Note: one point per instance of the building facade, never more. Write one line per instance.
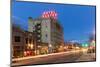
(47, 30)
(23, 42)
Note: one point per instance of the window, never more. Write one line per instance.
(26, 40)
(30, 40)
(39, 31)
(16, 47)
(38, 26)
(46, 29)
(38, 35)
(46, 35)
(38, 40)
(17, 38)
(46, 26)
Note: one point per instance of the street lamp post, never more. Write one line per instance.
(50, 48)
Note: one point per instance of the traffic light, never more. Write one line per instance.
(85, 45)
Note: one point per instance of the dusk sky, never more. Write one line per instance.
(78, 21)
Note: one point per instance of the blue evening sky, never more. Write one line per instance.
(78, 21)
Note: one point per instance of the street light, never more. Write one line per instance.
(50, 48)
(50, 45)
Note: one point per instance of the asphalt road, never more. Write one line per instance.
(87, 57)
(56, 58)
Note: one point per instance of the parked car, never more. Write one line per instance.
(91, 50)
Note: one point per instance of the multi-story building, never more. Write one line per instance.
(48, 31)
(23, 42)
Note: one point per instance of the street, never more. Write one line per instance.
(70, 56)
(87, 57)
